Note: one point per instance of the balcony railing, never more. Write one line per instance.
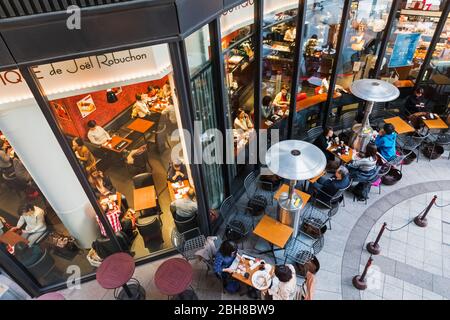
(20, 8)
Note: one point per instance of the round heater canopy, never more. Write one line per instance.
(375, 90)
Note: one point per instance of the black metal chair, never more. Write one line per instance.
(301, 252)
(186, 225)
(43, 267)
(441, 140)
(188, 243)
(239, 223)
(313, 133)
(143, 180)
(411, 143)
(254, 186)
(150, 230)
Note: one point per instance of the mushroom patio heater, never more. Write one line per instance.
(294, 160)
(372, 91)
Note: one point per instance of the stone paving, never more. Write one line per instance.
(414, 264)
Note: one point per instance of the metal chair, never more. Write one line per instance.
(254, 187)
(411, 143)
(332, 212)
(238, 222)
(384, 170)
(442, 140)
(188, 243)
(398, 160)
(313, 133)
(315, 219)
(346, 120)
(300, 252)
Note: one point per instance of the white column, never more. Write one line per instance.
(30, 135)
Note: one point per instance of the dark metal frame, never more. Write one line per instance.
(386, 36)
(433, 43)
(339, 47)
(258, 38)
(301, 16)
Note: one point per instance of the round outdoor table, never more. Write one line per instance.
(51, 296)
(173, 276)
(115, 272)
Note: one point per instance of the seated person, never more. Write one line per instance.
(326, 188)
(363, 169)
(415, 102)
(140, 108)
(267, 107)
(290, 34)
(224, 259)
(183, 209)
(323, 142)
(101, 184)
(284, 283)
(5, 159)
(169, 112)
(21, 172)
(96, 134)
(27, 254)
(3, 225)
(177, 172)
(386, 142)
(166, 90)
(113, 215)
(84, 155)
(243, 122)
(33, 218)
(282, 98)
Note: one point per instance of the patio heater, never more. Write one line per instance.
(294, 160)
(372, 91)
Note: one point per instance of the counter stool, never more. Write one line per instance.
(173, 276)
(51, 296)
(117, 271)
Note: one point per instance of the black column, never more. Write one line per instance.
(386, 36)
(259, 16)
(219, 90)
(340, 45)
(297, 65)
(182, 84)
(434, 41)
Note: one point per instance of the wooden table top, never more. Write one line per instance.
(285, 188)
(273, 231)
(248, 281)
(172, 189)
(141, 125)
(435, 124)
(404, 84)
(344, 157)
(400, 125)
(315, 179)
(115, 140)
(144, 198)
(11, 238)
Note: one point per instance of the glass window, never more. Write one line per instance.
(199, 60)
(361, 44)
(410, 39)
(239, 62)
(279, 34)
(320, 38)
(121, 115)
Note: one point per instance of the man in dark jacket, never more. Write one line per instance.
(415, 102)
(323, 142)
(326, 188)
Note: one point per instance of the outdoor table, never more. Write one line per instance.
(173, 276)
(115, 272)
(246, 264)
(144, 198)
(12, 238)
(285, 189)
(346, 158)
(437, 123)
(115, 141)
(400, 125)
(274, 232)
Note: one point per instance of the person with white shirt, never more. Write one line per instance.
(140, 108)
(169, 112)
(96, 134)
(33, 218)
(243, 122)
(284, 283)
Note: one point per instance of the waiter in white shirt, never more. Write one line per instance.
(96, 134)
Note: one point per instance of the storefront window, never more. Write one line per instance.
(240, 68)
(197, 48)
(438, 73)
(120, 113)
(279, 34)
(36, 219)
(361, 43)
(409, 42)
(320, 38)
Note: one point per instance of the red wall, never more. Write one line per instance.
(105, 112)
